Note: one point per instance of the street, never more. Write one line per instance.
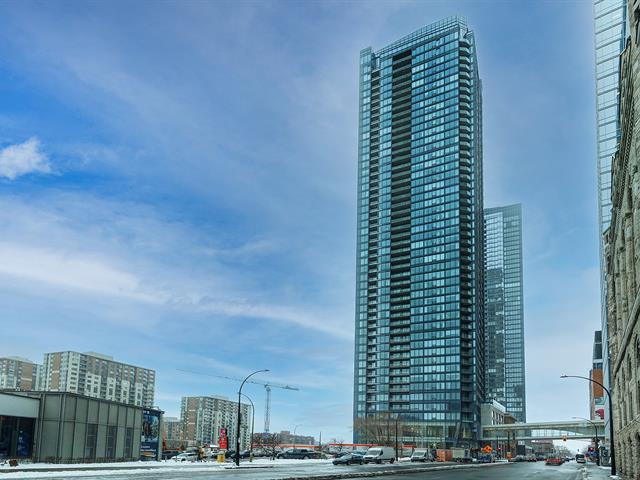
(538, 471)
(520, 471)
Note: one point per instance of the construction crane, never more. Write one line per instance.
(267, 388)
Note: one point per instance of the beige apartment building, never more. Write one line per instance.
(203, 417)
(17, 373)
(99, 376)
(622, 249)
(172, 432)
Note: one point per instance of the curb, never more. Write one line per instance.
(80, 468)
(383, 473)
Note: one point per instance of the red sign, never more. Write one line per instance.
(223, 442)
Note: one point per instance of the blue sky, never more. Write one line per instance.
(178, 182)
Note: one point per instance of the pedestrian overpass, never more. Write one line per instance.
(571, 430)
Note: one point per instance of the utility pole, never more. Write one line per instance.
(253, 417)
(396, 437)
(596, 441)
(240, 413)
(612, 442)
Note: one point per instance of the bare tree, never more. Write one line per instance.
(380, 429)
(268, 442)
(338, 444)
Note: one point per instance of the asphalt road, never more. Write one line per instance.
(520, 471)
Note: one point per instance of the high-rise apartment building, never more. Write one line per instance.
(203, 417)
(17, 373)
(419, 331)
(503, 309)
(99, 376)
(610, 26)
(172, 432)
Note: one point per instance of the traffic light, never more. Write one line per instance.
(564, 439)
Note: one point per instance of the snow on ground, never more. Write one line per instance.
(44, 470)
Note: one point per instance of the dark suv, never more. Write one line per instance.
(300, 453)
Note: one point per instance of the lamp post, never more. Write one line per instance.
(612, 446)
(294, 434)
(239, 413)
(253, 416)
(396, 447)
(595, 428)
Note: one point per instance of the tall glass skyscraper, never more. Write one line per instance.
(610, 26)
(419, 328)
(503, 307)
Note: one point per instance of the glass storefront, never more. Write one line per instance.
(16, 437)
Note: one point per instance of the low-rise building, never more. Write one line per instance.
(542, 447)
(71, 428)
(17, 373)
(494, 413)
(99, 376)
(491, 413)
(287, 438)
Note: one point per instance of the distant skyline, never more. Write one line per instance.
(178, 188)
(505, 314)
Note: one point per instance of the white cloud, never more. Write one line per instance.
(83, 246)
(68, 271)
(23, 158)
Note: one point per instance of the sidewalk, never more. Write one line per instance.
(593, 472)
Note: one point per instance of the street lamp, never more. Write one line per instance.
(595, 427)
(253, 416)
(612, 446)
(294, 435)
(396, 447)
(239, 413)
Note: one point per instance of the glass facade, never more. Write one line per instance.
(419, 251)
(610, 20)
(504, 313)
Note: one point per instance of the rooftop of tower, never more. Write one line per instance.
(427, 31)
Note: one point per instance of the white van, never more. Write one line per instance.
(421, 455)
(380, 455)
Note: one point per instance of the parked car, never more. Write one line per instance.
(486, 458)
(167, 454)
(530, 458)
(186, 457)
(231, 455)
(211, 455)
(380, 455)
(540, 457)
(421, 456)
(580, 458)
(553, 460)
(348, 458)
(518, 458)
(299, 453)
